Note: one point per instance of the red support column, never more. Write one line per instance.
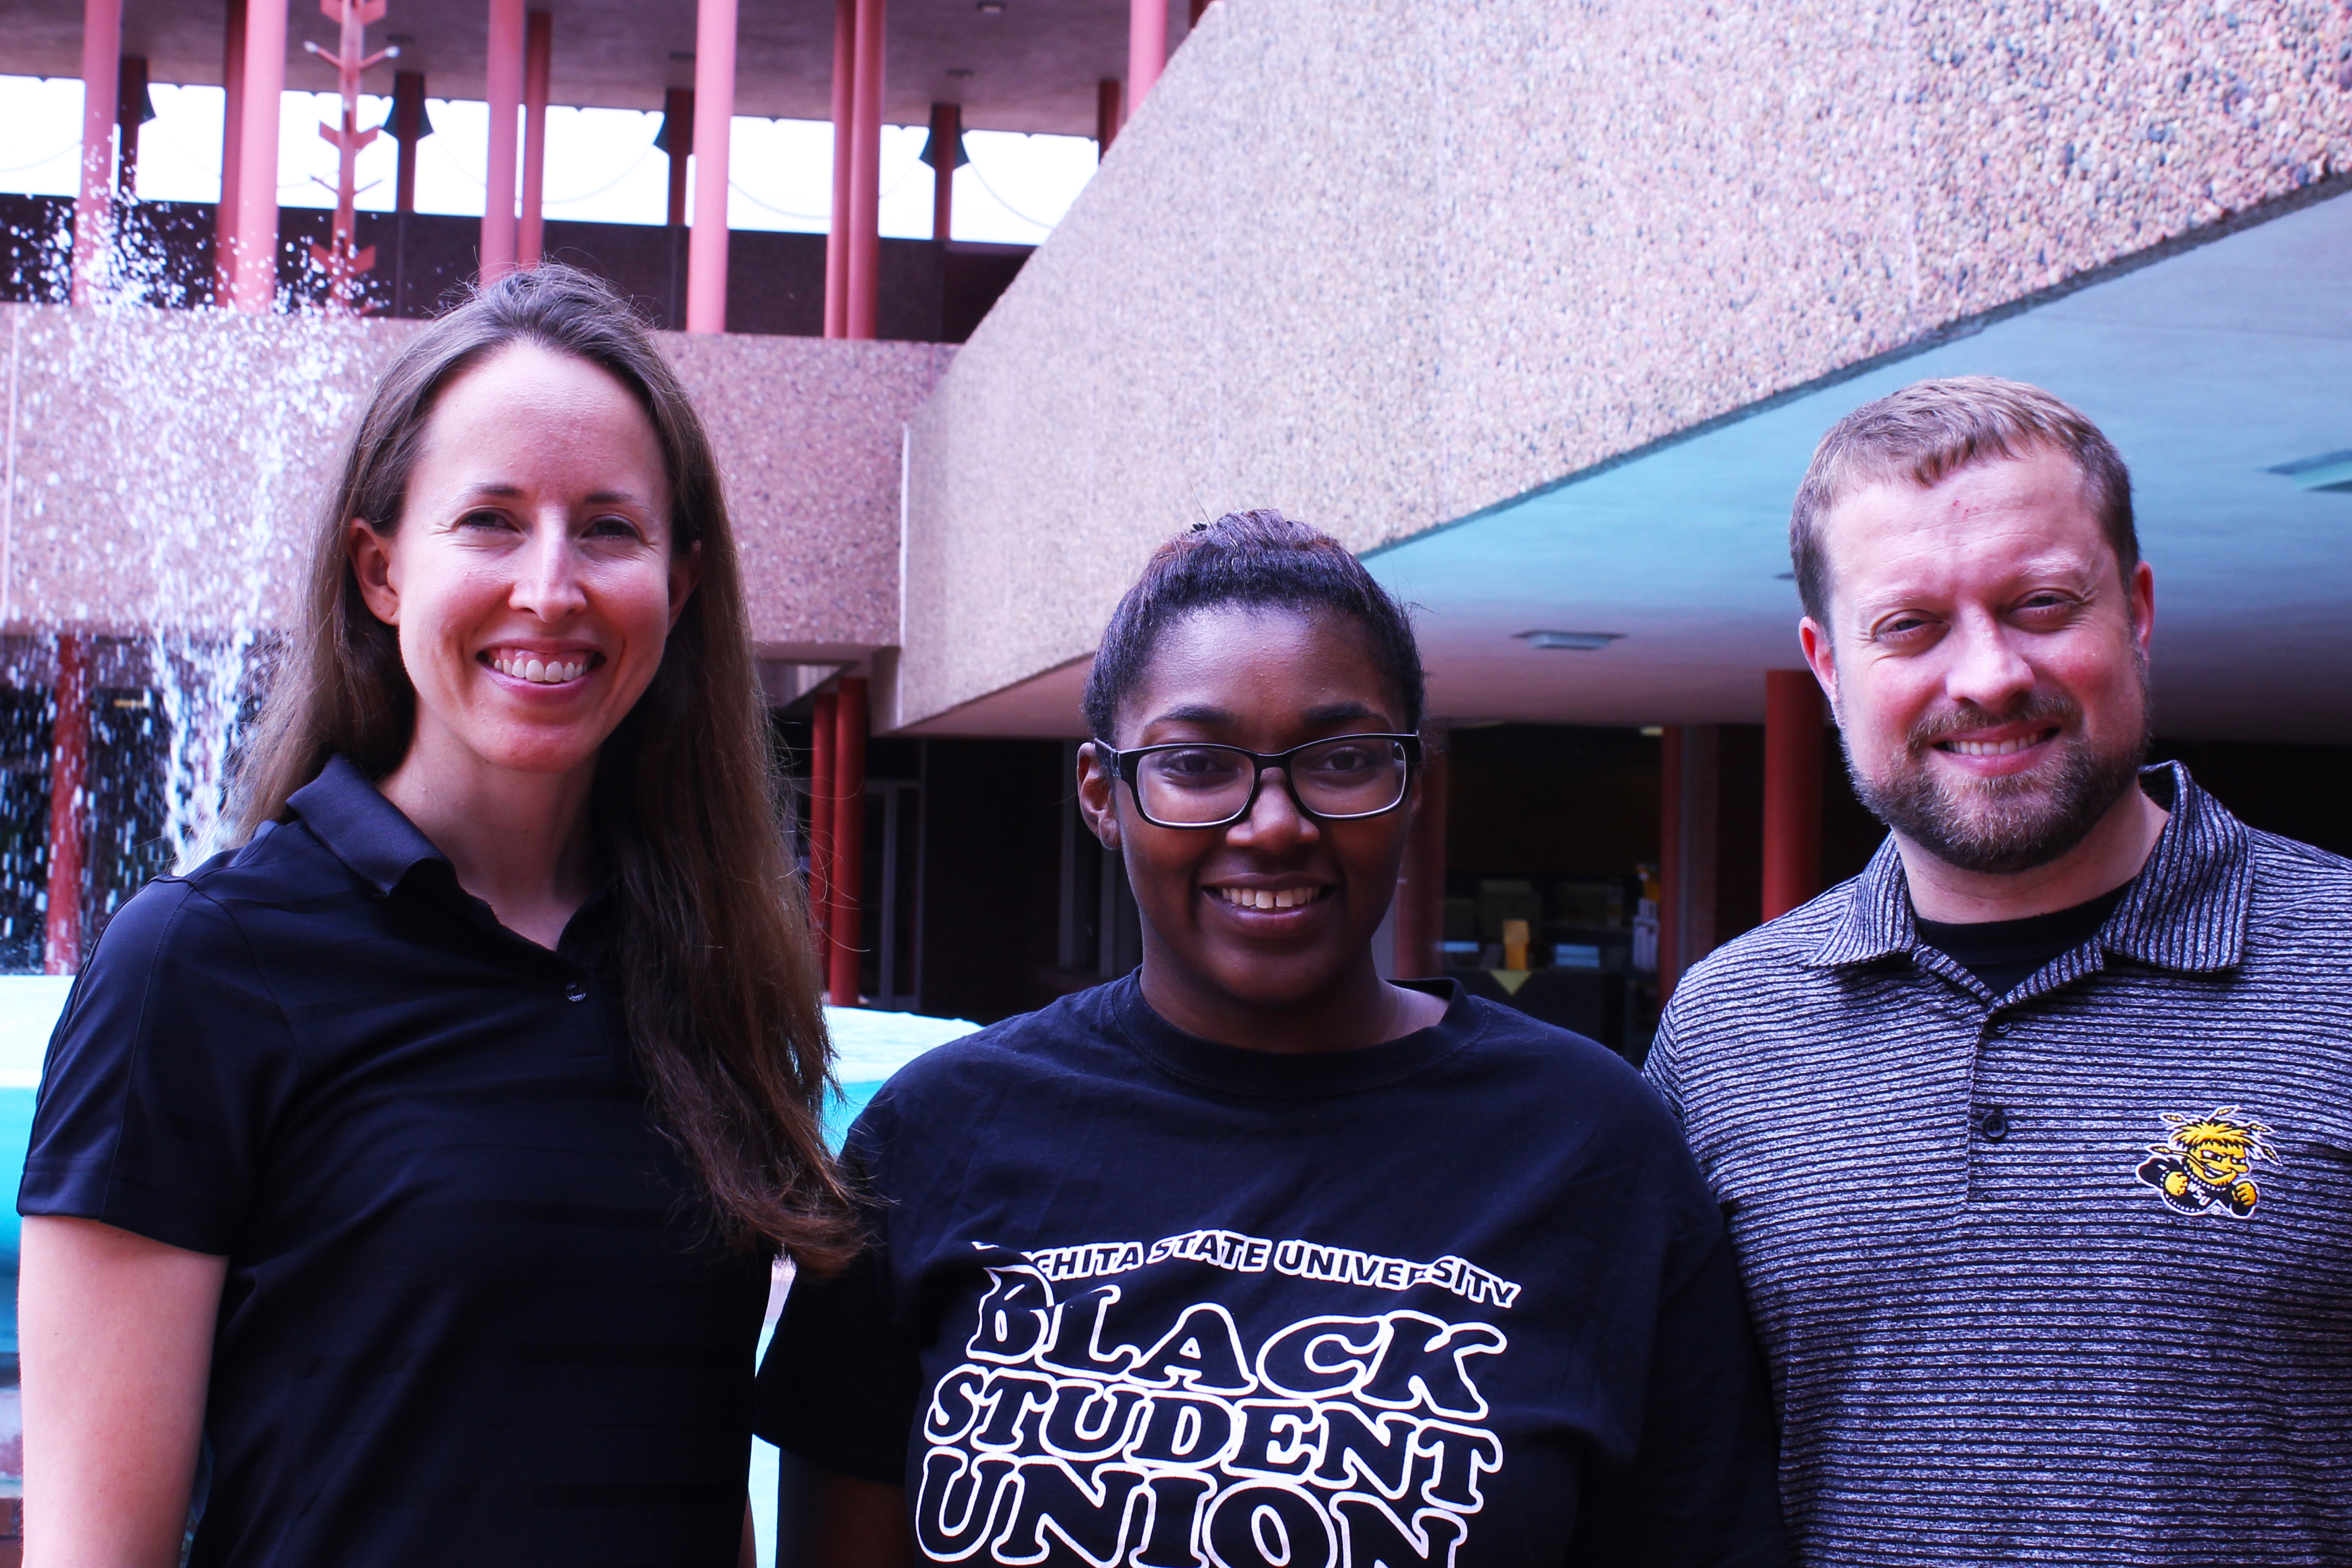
(822, 725)
(254, 278)
(677, 143)
(232, 126)
(1421, 890)
(1689, 804)
(1147, 48)
(946, 146)
(502, 87)
(69, 784)
(865, 280)
(407, 130)
(130, 114)
(845, 132)
(538, 39)
(1670, 859)
(1106, 116)
(714, 114)
(101, 55)
(1793, 789)
(848, 840)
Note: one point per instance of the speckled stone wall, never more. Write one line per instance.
(168, 465)
(1386, 264)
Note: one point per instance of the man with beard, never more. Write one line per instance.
(1955, 1107)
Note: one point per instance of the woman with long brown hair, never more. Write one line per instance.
(405, 1178)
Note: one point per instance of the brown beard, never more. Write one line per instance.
(2003, 825)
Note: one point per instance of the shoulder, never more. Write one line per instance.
(1068, 1037)
(1758, 965)
(1553, 1100)
(172, 920)
(2306, 869)
(187, 932)
(2298, 913)
(1522, 1059)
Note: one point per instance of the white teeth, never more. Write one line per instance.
(544, 672)
(1991, 748)
(1267, 898)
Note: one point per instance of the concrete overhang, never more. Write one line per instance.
(1032, 67)
(1559, 271)
(2210, 369)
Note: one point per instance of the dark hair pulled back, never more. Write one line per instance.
(1255, 560)
(718, 968)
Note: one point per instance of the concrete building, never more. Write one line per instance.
(1540, 307)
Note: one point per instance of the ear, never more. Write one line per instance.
(684, 577)
(1814, 638)
(1097, 796)
(371, 557)
(2143, 605)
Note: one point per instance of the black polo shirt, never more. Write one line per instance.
(473, 1314)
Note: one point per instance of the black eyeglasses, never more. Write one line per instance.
(1189, 784)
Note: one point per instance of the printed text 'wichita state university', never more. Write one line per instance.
(1254, 1255)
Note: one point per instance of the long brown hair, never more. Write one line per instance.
(720, 971)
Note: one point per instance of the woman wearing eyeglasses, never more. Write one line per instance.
(1254, 1257)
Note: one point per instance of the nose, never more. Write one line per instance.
(1275, 823)
(1986, 667)
(547, 577)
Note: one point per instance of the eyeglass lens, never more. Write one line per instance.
(1350, 776)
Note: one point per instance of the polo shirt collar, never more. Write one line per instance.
(359, 828)
(2187, 909)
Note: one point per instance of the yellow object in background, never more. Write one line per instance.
(1515, 944)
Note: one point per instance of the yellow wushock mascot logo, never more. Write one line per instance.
(2208, 1163)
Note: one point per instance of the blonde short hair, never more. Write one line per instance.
(1933, 428)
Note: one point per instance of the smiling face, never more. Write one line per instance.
(533, 577)
(1987, 660)
(1278, 909)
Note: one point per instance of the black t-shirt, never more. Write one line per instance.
(472, 1312)
(2005, 953)
(1138, 1298)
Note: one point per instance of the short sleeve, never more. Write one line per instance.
(1663, 1066)
(161, 1079)
(842, 1379)
(1702, 1487)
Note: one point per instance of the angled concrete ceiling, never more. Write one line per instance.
(2208, 368)
(1033, 67)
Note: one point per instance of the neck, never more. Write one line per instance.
(2110, 854)
(519, 841)
(1357, 1008)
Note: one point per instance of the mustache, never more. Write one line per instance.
(2036, 707)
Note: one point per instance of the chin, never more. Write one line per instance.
(1266, 981)
(561, 753)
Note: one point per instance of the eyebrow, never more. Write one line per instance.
(1192, 713)
(1207, 713)
(1332, 712)
(596, 497)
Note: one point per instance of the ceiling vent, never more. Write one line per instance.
(2328, 472)
(1584, 642)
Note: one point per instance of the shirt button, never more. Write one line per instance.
(1995, 1125)
(1996, 1031)
(575, 992)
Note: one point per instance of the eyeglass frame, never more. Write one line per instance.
(1121, 764)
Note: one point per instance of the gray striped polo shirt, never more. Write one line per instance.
(2063, 1275)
